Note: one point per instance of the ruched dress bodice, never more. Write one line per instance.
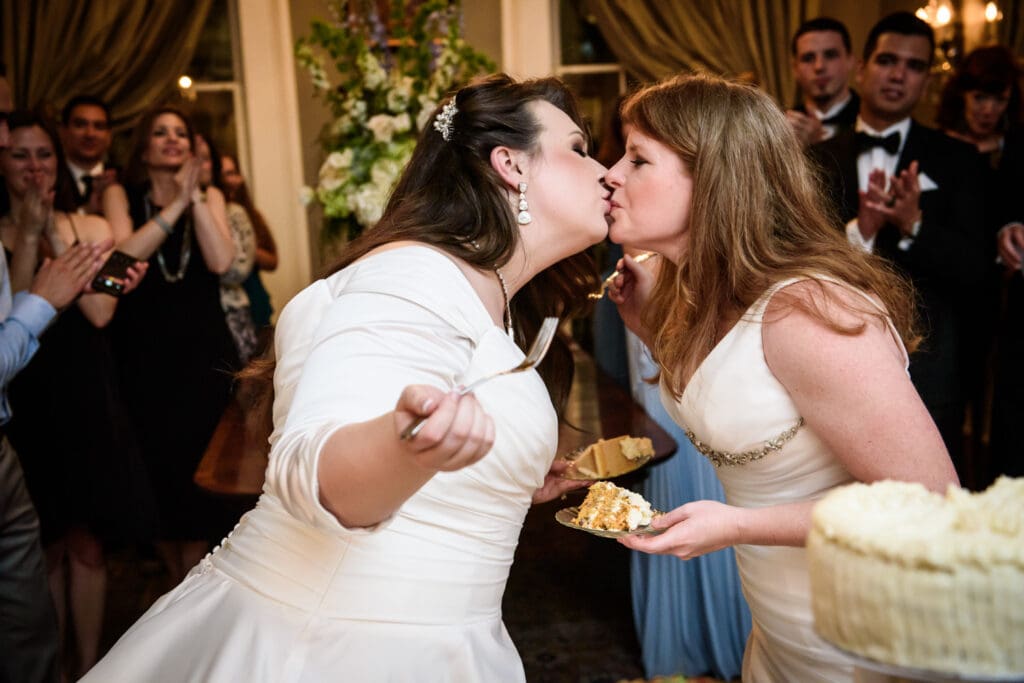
(418, 596)
(744, 420)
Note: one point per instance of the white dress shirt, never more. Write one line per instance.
(869, 160)
(830, 128)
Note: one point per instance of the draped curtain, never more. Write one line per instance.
(126, 52)
(653, 38)
(1011, 28)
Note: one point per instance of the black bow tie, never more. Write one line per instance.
(865, 142)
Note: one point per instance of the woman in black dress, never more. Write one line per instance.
(173, 346)
(70, 425)
(981, 105)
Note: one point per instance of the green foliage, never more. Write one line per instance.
(391, 77)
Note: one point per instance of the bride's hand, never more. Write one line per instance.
(554, 485)
(457, 431)
(691, 530)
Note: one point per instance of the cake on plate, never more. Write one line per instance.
(611, 508)
(612, 457)
(911, 578)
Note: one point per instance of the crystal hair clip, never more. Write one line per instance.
(443, 121)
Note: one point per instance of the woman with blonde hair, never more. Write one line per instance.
(780, 347)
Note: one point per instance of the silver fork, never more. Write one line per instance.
(538, 348)
(611, 278)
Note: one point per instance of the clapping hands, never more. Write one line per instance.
(187, 179)
(899, 203)
(35, 215)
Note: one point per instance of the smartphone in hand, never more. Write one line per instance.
(110, 278)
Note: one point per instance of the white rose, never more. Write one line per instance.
(306, 195)
(368, 204)
(340, 159)
(384, 173)
(403, 122)
(383, 127)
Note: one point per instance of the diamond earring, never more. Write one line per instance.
(524, 216)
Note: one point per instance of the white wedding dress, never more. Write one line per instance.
(733, 406)
(291, 595)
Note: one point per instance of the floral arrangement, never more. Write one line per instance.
(392, 75)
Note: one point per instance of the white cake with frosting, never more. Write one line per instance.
(908, 577)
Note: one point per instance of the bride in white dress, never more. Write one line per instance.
(369, 557)
(780, 346)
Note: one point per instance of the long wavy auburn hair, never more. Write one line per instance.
(757, 217)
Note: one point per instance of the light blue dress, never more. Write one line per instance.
(691, 617)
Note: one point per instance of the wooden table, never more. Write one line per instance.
(236, 457)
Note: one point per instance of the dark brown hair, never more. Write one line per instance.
(65, 194)
(989, 69)
(241, 196)
(450, 197)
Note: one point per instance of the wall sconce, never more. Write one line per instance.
(992, 18)
(938, 13)
(185, 88)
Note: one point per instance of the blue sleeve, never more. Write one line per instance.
(19, 333)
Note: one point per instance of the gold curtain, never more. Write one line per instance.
(126, 52)
(654, 38)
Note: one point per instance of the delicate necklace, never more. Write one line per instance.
(186, 248)
(504, 295)
(508, 308)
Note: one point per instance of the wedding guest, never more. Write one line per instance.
(80, 474)
(780, 346)
(236, 190)
(981, 105)
(173, 346)
(233, 298)
(28, 623)
(914, 196)
(86, 136)
(823, 62)
(370, 555)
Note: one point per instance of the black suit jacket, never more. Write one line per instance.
(946, 261)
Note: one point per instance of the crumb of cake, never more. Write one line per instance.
(611, 508)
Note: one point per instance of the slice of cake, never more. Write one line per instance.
(612, 508)
(908, 577)
(612, 457)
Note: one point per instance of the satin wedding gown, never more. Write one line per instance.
(292, 595)
(732, 408)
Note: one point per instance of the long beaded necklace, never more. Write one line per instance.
(186, 247)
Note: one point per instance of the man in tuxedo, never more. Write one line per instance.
(85, 135)
(912, 195)
(822, 64)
